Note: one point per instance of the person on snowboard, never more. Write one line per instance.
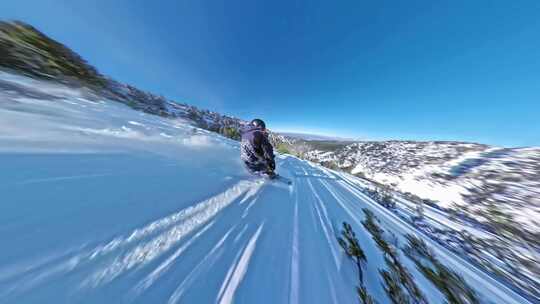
(256, 151)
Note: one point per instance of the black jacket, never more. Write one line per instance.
(255, 148)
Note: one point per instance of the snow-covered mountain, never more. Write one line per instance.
(314, 137)
(105, 204)
(481, 179)
(497, 189)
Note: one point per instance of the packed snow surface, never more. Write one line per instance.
(104, 204)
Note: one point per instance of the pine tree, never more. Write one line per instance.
(452, 285)
(364, 295)
(351, 246)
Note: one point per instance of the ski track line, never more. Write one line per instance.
(251, 193)
(147, 252)
(239, 235)
(161, 224)
(457, 262)
(295, 258)
(341, 202)
(240, 269)
(332, 287)
(204, 265)
(228, 275)
(61, 178)
(324, 224)
(35, 274)
(20, 269)
(163, 267)
(246, 211)
(28, 282)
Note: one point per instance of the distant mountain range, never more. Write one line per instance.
(315, 137)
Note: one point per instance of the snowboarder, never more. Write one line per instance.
(256, 151)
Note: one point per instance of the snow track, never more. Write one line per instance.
(90, 217)
(235, 276)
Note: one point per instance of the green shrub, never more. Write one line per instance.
(283, 149)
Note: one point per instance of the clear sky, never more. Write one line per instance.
(441, 70)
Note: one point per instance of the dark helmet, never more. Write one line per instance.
(258, 123)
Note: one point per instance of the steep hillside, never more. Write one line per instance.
(494, 189)
(485, 180)
(26, 50)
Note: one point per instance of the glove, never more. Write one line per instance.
(272, 164)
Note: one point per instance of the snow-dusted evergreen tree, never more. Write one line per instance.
(351, 246)
(353, 250)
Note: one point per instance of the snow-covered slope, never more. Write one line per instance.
(104, 204)
(495, 189)
(477, 178)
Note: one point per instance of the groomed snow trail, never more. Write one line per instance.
(103, 204)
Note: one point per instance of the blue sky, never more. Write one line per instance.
(441, 70)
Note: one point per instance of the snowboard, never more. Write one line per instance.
(272, 176)
(279, 178)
